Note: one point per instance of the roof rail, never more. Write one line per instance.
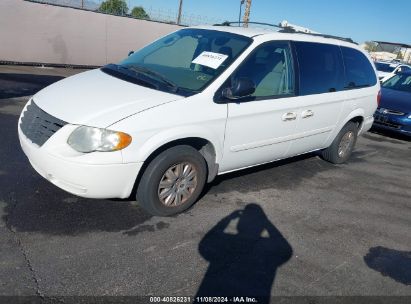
(293, 31)
(229, 23)
(288, 30)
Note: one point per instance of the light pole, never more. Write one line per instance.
(180, 8)
(246, 18)
(239, 16)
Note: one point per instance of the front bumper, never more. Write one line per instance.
(396, 123)
(79, 175)
(366, 125)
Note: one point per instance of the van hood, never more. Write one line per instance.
(96, 99)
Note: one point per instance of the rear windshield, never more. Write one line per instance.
(384, 67)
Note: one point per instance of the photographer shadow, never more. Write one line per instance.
(243, 263)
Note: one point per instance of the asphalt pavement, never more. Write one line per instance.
(300, 227)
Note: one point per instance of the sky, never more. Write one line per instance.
(361, 20)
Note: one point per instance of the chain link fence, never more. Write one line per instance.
(125, 9)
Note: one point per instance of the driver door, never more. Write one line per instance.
(260, 128)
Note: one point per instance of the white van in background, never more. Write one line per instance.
(197, 103)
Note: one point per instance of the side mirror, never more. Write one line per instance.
(241, 87)
(130, 53)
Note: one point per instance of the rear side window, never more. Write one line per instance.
(358, 69)
(321, 68)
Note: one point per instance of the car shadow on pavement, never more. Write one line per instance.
(29, 203)
(283, 174)
(245, 251)
(396, 137)
(389, 262)
(17, 85)
(71, 216)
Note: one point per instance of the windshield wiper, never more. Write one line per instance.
(157, 75)
(123, 73)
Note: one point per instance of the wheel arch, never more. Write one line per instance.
(206, 147)
(359, 120)
(357, 116)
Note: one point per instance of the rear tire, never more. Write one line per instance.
(173, 181)
(343, 145)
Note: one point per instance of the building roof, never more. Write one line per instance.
(397, 44)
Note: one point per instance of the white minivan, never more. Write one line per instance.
(200, 102)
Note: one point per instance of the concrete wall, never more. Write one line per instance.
(32, 32)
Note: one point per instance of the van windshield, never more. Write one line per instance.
(186, 61)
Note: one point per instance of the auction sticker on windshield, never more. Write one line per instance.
(210, 59)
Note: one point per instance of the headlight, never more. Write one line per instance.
(409, 117)
(88, 139)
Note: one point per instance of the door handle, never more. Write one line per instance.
(307, 114)
(289, 116)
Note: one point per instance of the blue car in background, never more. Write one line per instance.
(394, 110)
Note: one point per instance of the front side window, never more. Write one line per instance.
(183, 62)
(270, 68)
(321, 68)
(358, 69)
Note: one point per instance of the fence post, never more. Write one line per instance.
(180, 8)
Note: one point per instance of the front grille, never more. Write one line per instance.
(388, 124)
(384, 121)
(39, 126)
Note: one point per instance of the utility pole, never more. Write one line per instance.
(246, 18)
(180, 9)
(239, 16)
(82, 3)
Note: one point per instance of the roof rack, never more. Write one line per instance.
(229, 23)
(288, 30)
(293, 31)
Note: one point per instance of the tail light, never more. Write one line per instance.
(379, 98)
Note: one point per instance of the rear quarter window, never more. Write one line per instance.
(321, 68)
(358, 69)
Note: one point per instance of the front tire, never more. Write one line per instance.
(173, 181)
(343, 145)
